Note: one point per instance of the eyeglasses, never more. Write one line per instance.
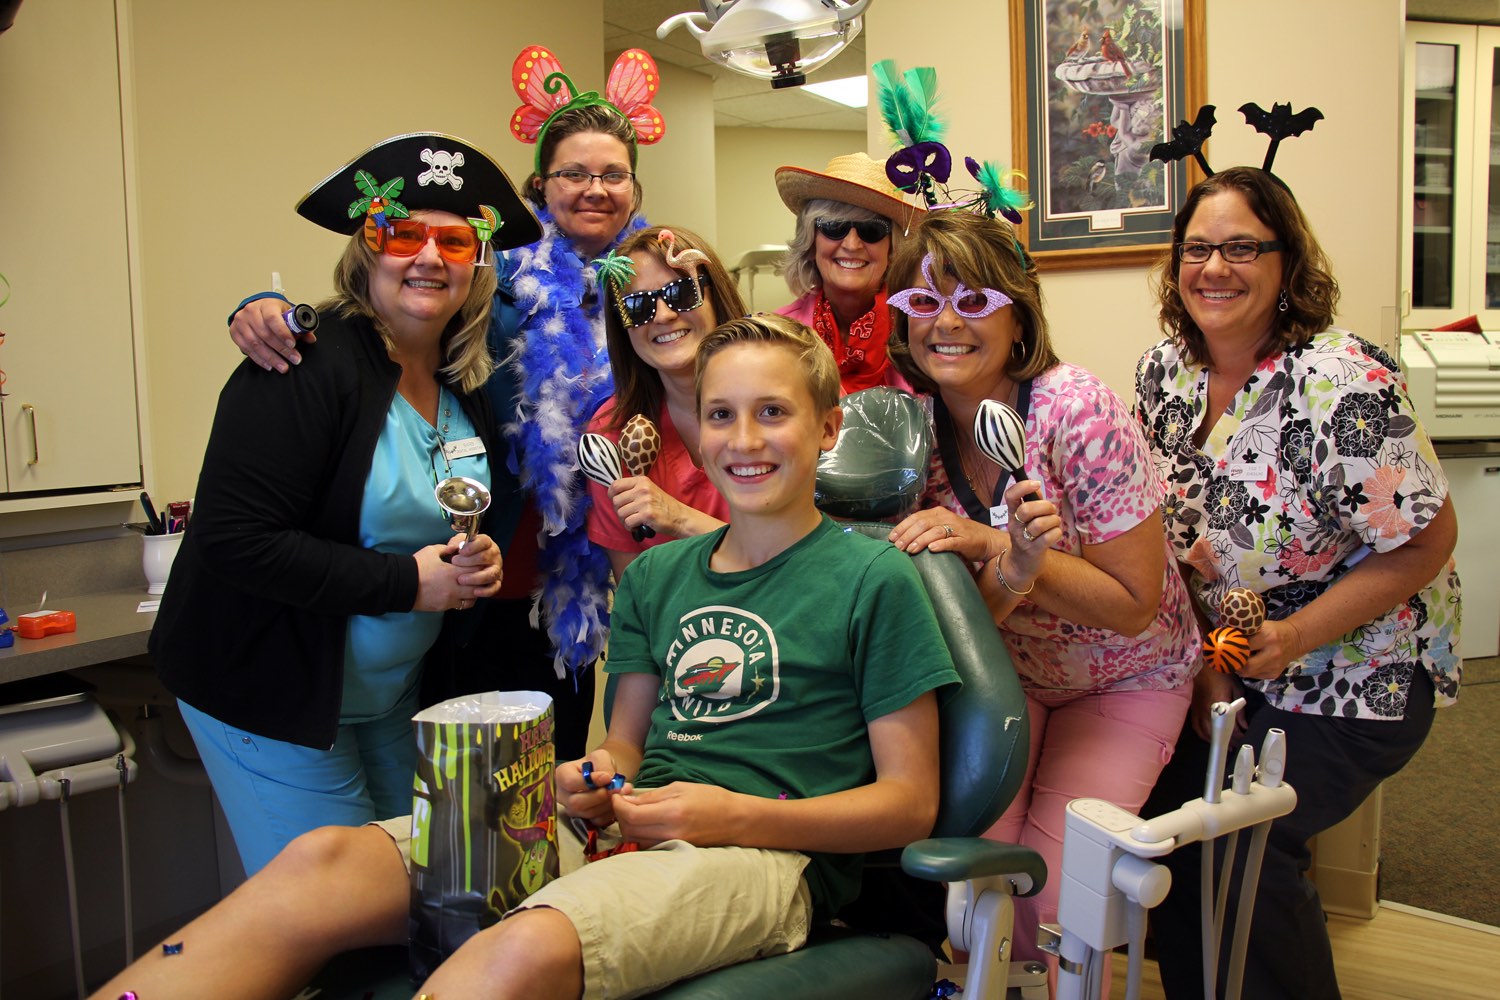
(407, 237)
(613, 180)
(869, 230)
(1233, 252)
(639, 308)
(970, 303)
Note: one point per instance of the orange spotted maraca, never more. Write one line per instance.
(1226, 649)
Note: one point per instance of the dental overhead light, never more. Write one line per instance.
(777, 40)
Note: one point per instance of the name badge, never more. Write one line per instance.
(463, 448)
(1249, 472)
(999, 516)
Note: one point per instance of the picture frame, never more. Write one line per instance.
(1094, 85)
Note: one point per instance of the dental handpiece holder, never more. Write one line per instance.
(56, 742)
(60, 745)
(1109, 879)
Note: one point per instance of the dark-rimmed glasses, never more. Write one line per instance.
(580, 179)
(407, 237)
(1233, 251)
(639, 308)
(869, 230)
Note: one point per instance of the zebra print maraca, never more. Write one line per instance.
(599, 457)
(1001, 435)
(601, 460)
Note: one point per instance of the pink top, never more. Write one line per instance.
(674, 472)
(1087, 451)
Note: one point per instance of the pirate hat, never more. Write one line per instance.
(421, 170)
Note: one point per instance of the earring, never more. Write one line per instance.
(1281, 302)
(1018, 351)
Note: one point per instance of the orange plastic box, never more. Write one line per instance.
(40, 623)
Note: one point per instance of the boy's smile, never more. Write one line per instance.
(761, 431)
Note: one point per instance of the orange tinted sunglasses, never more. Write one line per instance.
(407, 237)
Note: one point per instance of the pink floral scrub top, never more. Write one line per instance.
(1316, 462)
(1086, 450)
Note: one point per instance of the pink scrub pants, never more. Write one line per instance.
(1107, 746)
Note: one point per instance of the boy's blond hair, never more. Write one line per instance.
(819, 371)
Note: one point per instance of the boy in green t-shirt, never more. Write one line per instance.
(775, 703)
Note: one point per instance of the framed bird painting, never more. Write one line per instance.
(1097, 83)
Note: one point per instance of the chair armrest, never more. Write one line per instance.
(958, 859)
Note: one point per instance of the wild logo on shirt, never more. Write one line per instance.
(721, 666)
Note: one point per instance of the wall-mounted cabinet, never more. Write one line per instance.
(1451, 175)
(70, 414)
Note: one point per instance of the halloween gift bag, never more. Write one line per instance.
(484, 836)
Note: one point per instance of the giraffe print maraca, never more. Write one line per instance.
(640, 443)
(1227, 648)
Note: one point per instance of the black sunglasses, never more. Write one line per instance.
(639, 308)
(869, 230)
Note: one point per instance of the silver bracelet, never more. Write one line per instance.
(999, 576)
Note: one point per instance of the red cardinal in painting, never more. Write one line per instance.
(1080, 48)
(1113, 53)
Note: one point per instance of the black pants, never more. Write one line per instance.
(504, 653)
(1334, 764)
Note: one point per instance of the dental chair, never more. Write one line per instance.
(878, 470)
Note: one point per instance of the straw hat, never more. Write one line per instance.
(854, 179)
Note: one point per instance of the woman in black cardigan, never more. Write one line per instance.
(318, 568)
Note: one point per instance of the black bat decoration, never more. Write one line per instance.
(1279, 123)
(1188, 140)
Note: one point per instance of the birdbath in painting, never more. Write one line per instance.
(1132, 104)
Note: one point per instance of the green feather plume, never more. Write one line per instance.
(908, 103)
(998, 198)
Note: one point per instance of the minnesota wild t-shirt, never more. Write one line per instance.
(770, 676)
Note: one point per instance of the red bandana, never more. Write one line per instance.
(861, 354)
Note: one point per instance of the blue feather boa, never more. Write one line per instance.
(561, 364)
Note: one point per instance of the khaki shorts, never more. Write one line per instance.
(649, 918)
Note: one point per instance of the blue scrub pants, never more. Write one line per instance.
(272, 791)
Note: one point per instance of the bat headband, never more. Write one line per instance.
(1278, 123)
(546, 92)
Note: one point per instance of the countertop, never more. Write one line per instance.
(109, 628)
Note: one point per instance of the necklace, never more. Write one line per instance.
(446, 402)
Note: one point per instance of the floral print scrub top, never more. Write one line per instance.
(1317, 461)
(1086, 450)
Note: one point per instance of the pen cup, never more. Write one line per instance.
(157, 558)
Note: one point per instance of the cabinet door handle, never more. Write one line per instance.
(36, 455)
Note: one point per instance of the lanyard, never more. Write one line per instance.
(948, 447)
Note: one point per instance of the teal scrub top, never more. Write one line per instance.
(400, 514)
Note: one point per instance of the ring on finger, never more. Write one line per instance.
(947, 531)
(1026, 534)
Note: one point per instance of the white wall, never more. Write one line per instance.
(678, 172)
(1343, 56)
(236, 117)
(240, 110)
